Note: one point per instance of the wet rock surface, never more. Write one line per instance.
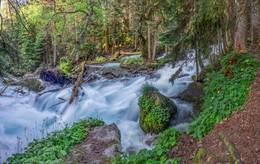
(102, 143)
(54, 76)
(193, 93)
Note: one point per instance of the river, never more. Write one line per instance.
(27, 117)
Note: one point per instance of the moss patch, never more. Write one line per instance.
(156, 110)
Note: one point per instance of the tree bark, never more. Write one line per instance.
(149, 43)
(154, 44)
(255, 24)
(106, 41)
(54, 39)
(196, 61)
(241, 26)
(166, 50)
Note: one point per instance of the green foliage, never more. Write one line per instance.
(156, 110)
(148, 88)
(137, 60)
(166, 141)
(161, 62)
(39, 51)
(100, 59)
(225, 91)
(54, 148)
(66, 65)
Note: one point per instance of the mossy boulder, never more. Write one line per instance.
(156, 111)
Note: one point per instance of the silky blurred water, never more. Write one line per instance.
(22, 117)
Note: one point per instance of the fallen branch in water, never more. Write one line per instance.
(3, 90)
(58, 104)
(75, 89)
(175, 97)
(53, 90)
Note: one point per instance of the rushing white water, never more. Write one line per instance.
(115, 101)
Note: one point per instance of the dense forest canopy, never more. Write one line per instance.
(53, 32)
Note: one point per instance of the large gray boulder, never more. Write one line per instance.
(102, 143)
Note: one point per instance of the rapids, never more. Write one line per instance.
(23, 117)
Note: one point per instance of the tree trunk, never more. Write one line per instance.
(154, 44)
(255, 24)
(196, 61)
(166, 50)
(54, 51)
(219, 43)
(241, 26)
(83, 35)
(106, 41)
(230, 20)
(149, 44)
(101, 44)
(200, 61)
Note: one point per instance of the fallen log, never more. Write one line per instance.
(120, 54)
(57, 104)
(53, 90)
(175, 75)
(175, 97)
(75, 89)
(3, 90)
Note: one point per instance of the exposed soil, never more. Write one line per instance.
(241, 129)
(186, 145)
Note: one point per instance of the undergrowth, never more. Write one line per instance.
(225, 91)
(160, 62)
(166, 141)
(133, 60)
(66, 66)
(54, 148)
(100, 59)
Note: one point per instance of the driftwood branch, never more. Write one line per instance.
(57, 104)
(3, 90)
(75, 89)
(53, 90)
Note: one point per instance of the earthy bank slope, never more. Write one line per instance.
(241, 131)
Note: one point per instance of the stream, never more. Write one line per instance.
(23, 117)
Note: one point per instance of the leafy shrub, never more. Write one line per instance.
(66, 65)
(54, 148)
(100, 59)
(164, 60)
(225, 91)
(166, 141)
(133, 60)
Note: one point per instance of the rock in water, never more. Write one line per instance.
(156, 111)
(193, 93)
(102, 143)
(54, 76)
(32, 84)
